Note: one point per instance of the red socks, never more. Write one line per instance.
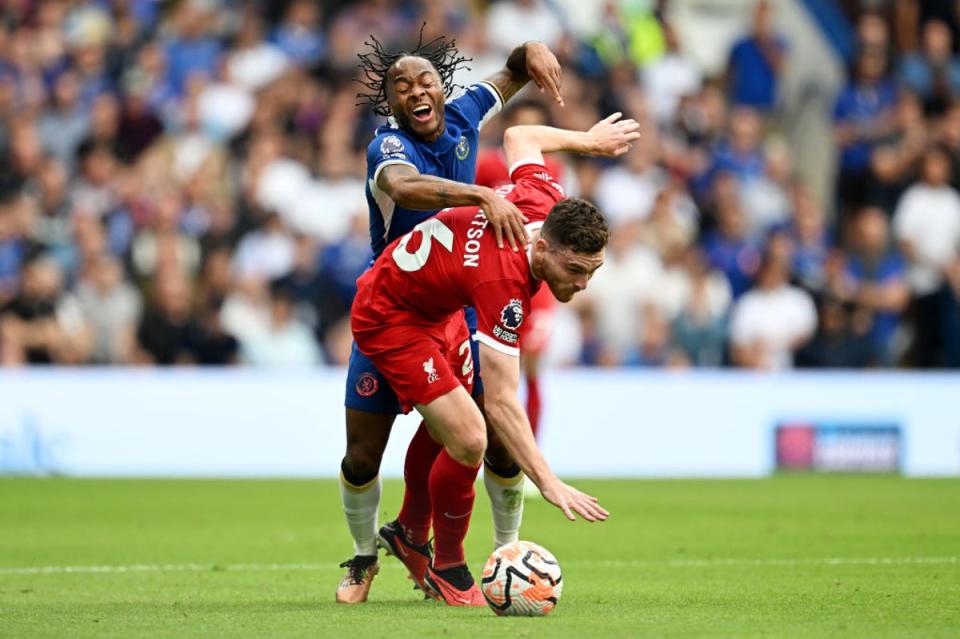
(414, 516)
(533, 404)
(451, 494)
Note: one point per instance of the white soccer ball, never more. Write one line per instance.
(521, 579)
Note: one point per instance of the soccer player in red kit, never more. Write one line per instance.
(406, 318)
(494, 172)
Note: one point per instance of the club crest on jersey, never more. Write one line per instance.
(391, 145)
(431, 371)
(512, 315)
(463, 149)
(367, 385)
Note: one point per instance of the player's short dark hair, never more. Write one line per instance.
(375, 63)
(576, 224)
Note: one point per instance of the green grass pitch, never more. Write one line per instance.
(793, 556)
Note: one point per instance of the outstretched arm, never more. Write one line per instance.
(501, 374)
(411, 189)
(607, 138)
(530, 61)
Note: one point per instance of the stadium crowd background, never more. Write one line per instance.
(182, 182)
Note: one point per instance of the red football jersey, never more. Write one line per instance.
(492, 170)
(452, 260)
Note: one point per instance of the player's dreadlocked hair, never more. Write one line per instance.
(440, 52)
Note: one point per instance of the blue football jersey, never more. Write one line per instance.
(452, 156)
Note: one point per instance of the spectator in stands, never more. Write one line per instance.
(741, 155)
(669, 78)
(286, 341)
(728, 249)
(39, 325)
(299, 35)
(627, 191)
(766, 198)
(756, 63)
(927, 226)
(210, 342)
(700, 327)
(894, 159)
(193, 51)
(510, 24)
(772, 320)
(808, 237)
(165, 332)
(64, 123)
(622, 288)
(842, 339)
(934, 72)
(878, 274)
(864, 114)
(111, 311)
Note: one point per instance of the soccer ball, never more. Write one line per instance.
(521, 579)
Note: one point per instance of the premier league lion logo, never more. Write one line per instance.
(512, 315)
(391, 145)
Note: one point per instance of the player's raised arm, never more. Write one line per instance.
(530, 61)
(501, 373)
(411, 189)
(609, 137)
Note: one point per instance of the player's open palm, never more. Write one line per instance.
(507, 222)
(612, 136)
(573, 502)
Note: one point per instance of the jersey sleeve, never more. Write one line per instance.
(479, 103)
(386, 149)
(535, 190)
(502, 306)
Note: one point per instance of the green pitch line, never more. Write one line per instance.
(800, 556)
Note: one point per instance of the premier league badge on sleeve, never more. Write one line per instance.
(391, 145)
(512, 315)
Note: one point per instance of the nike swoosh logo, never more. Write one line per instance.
(449, 516)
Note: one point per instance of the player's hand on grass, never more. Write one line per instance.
(544, 69)
(507, 221)
(611, 136)
(570, 501)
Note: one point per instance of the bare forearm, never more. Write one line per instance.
(509, 420)
(545, 139)
(428, 193)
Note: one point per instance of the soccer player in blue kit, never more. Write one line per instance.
(421, 161)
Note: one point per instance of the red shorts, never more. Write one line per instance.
(421, 361)
(540, 322)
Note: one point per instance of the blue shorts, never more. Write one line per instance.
(368, 390)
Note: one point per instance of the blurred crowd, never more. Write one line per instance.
(183, 183)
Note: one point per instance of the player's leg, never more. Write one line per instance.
(457, 423)
(502, 478)
(371, 409)
(407, 537)
(504, 483)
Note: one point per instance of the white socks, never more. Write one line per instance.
(506, 502)
(360, 505)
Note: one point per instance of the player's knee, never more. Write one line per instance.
(468, 448)
(362, 461)
(497, 454)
